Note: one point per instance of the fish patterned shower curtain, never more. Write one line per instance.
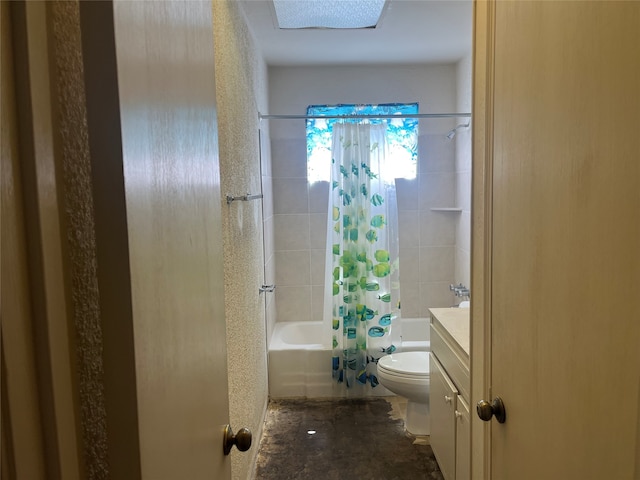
(362, 259)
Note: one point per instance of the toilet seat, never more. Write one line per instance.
(406, 364)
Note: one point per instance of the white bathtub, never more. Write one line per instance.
(300, 366)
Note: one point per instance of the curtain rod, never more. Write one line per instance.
(408, 115)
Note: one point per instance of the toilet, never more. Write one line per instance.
(407, 374)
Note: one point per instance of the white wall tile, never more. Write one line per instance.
(437, 190)
(319, 197)
(270, 271)
(318, 264)
(317, 302)
(293, 267)
(463, 190)
(268, 238)
(463, 150)
(267, 197)
(289, 158)
(435, 295)
(409, 280)
(272, 316)
(318, 230)
(410, 299)
(291, 232)
(437, 228)
(436, 153)
(407, 193)
(293, 303)
(290, 195)
(436, 264)
(265, 149)
(409, 266)
(266, 169)
(463, 166)
(463, 232)
(409, 228)
(463, 268)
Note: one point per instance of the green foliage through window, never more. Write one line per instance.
(401, 136)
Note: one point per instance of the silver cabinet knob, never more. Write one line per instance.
(242, 439)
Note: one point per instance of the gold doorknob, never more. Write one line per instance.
(487, 410)
(242, 439)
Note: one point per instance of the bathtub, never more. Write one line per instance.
(299, 366)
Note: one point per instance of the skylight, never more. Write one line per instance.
(328, 13)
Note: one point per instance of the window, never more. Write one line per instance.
(402, 136)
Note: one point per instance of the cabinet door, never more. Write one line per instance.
(443, 422)
(463, 440)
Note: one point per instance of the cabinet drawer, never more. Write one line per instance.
(447, 354)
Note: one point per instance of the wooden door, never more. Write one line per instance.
(152, 118)
(39, 419)
(565, 235)
(166, 85)
(22, 442)
(144, 71)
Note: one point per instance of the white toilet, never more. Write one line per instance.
(407, 374)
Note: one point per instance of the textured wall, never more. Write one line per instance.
(241, 87)
(78, 206)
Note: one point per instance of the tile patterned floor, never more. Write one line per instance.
(355, 439)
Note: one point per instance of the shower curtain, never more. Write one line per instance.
(362, 259)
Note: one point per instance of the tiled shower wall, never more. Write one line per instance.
(427, 237)
(463, 177)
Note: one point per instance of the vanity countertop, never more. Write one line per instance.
(456, 322)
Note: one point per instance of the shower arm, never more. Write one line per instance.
(452, 132)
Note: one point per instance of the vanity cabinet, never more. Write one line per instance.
(450, 391)
(463, 439)
(443, 422)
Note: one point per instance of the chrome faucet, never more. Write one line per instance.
(460, 290)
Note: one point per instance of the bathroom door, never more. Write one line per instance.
(166, 87)
(564, 260)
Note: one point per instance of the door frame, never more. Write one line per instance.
(481, 229)
(40, 418)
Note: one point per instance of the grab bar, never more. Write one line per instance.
(267, 288)
(244, 198)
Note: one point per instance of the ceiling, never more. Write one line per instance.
(410, 32)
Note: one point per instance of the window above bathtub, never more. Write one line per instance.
(402, 136)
